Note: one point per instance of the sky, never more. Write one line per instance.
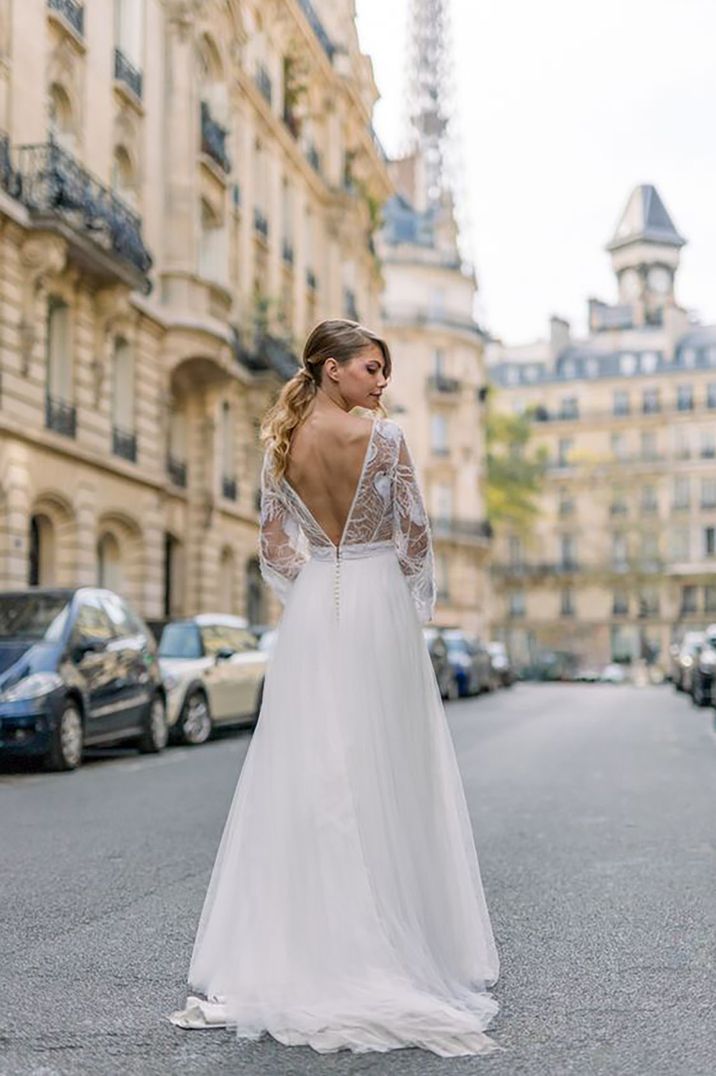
(561, 108)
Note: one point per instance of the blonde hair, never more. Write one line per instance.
(336, 339)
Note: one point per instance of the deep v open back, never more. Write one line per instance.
(315, 513)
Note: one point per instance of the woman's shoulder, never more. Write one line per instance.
(388, 429)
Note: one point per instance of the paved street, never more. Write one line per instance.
(594, 811)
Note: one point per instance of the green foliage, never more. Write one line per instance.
(514, 474)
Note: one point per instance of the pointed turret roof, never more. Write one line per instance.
(645, 219)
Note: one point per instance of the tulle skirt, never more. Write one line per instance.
(345, 908)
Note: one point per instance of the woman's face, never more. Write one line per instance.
(361, 381)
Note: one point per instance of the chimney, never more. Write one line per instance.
(559, 335)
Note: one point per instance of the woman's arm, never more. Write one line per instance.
(411, 534)
(282, 544)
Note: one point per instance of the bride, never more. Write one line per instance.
(345, 908)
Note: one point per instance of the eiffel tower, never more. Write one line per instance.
(427, 92)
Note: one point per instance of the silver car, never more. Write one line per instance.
(213, 674)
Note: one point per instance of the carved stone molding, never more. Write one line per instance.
(42, 257)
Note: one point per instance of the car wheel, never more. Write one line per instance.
(195, 722)
(67, 740)
(155, 735)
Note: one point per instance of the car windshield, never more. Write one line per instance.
(32, 616)
(456, 645)
(180, 641)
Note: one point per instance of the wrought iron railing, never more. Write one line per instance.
(124, 444)
(177, 471)
(440, 383)
(126, 72)
(213, 139)
(228, 488)
(53, 182)
(318, 28)
(72, 11)
(60, 416)
(263, 82)
(261, 223)
(452, 527)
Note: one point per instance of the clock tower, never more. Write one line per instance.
(645, 254)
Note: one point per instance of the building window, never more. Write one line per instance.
(651, 401)
(514, 545)
(565, 503)
(710, 598)
(648, 602)
(620, 603)
(567, 550)
(628, 364)
(566, 602)
(680, 544)
(619, 506)
(41, 556)
(436, 304)
(62, 128)
(439, 434)
(618, 446)
(648, 445)
(287, 222)
(709, 541)
(569, 407)
(689, 600)
(442, 506)
(516, 603)
(620, 405)
(682, 491)
(708, 492)
(213, 245)
(442, 576)
(564, 450)
(109, 563)
(438, 362)
(124, 441)
(649, 500)
(228, 462)
(619, 551)
(684, 398)
(682, 445)
(711, 395)
(708, 445)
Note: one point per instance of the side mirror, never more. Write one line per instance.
(224, 653)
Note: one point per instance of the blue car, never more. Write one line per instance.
(78, 667)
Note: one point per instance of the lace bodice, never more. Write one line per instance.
(387, 507)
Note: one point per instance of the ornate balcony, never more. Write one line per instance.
(72, 12)
(447, 385)
(461, 530)
(229, 488)
(104, 234)
(60, 416)
(213, 139)
(177, 471)
(126, 73)
(124, 444)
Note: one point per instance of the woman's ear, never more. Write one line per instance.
(331, 368)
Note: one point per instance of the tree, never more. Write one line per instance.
(514, 474)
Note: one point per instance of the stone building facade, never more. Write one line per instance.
(622, 555)
(438, 395)
(184, 190)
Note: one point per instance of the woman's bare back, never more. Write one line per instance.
(325, 462)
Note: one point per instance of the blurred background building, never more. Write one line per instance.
(438, 349)
(623, 547)
(185, 189)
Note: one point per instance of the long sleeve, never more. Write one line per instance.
(283, 549)
(411, 534)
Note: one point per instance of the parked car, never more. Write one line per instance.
(704, 668)
(470, 661)
(213, 672)
(683, 665)
(613, 674)
(78, 667)
(444, 673)
(502, 670)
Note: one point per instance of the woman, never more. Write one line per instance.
(345, 909)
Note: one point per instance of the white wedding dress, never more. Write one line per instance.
(345, 908)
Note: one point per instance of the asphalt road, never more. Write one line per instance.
(594, 812)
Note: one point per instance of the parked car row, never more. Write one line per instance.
(464, 665)
(79, 668)
(692, 666)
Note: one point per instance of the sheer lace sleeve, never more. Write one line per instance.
(283, 549)
(411, 534)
